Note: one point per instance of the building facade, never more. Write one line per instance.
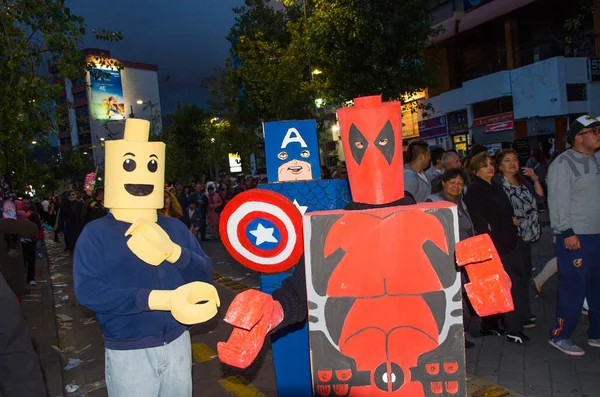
(510, 74)
(102, 99)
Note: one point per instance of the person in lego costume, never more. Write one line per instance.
(293, 170)
(372, 271)
(143, 275)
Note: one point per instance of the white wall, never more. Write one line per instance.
(539, 89)
(453, 100)
(488, 87)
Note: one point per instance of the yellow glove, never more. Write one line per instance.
(151, 243)
(183, 302)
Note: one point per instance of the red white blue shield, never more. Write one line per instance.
(262, 230)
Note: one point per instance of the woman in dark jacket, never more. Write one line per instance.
(492, 213)
(450, 188)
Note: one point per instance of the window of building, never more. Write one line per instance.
(79, 95)
(65, 141)
(82, 112)
(85, 139)
(494, 106)
(576, 92)
(83, 125)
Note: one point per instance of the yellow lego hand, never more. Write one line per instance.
(183, 302)
(151, 243)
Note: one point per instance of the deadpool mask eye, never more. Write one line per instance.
(360, 144)
(386, 143)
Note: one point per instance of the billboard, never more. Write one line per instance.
(433, 127)
(235, 162)
(107, 94)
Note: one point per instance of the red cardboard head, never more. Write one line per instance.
(371, 133)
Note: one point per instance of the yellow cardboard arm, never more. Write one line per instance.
(183, 302)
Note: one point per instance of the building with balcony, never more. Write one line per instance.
(102, 100)
(510, 74)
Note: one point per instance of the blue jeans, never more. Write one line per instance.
(163, 371)
(579, 272)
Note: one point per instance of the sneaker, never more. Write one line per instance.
(529, 324)
(32, 282)
(490, 331)
(518, 338)
(594, 342)
(567, 346)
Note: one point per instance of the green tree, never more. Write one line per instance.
(283, 61)
(198, 144)
(367, 47)
(36, 34)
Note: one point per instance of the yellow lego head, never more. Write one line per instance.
(134, 169)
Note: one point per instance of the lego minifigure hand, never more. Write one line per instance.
(151, 243)
(253, 314)
(183, 302)
(489, 287)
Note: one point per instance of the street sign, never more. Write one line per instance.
(497, 118)
(507, 125)
(433, 127)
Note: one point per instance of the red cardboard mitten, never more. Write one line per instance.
(253, 314)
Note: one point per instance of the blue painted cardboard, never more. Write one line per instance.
(293, 376)
(292, 151)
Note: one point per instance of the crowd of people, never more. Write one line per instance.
(498, 196)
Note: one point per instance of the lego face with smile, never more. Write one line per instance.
(292, 151)
(134, 171)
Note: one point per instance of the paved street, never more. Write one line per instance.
(534, 370)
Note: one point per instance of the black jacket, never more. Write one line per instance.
(491, 212)
(292, 293)
(20, 372)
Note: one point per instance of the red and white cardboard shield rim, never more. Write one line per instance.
(257, 203)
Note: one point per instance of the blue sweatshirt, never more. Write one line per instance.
(114, 283)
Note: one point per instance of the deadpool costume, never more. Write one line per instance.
(383, 293)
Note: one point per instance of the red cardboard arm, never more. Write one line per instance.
(253, 314)
(489, 286)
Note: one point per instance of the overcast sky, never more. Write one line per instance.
(185, 38)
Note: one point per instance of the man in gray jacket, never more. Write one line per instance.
(573, 191)
(415, 180)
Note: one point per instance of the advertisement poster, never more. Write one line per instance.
(458, 122)
(235, 163)
(433, 127)
(107, 95)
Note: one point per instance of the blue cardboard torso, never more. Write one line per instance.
(291, 351)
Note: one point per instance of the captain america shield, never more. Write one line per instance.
(262, 230)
